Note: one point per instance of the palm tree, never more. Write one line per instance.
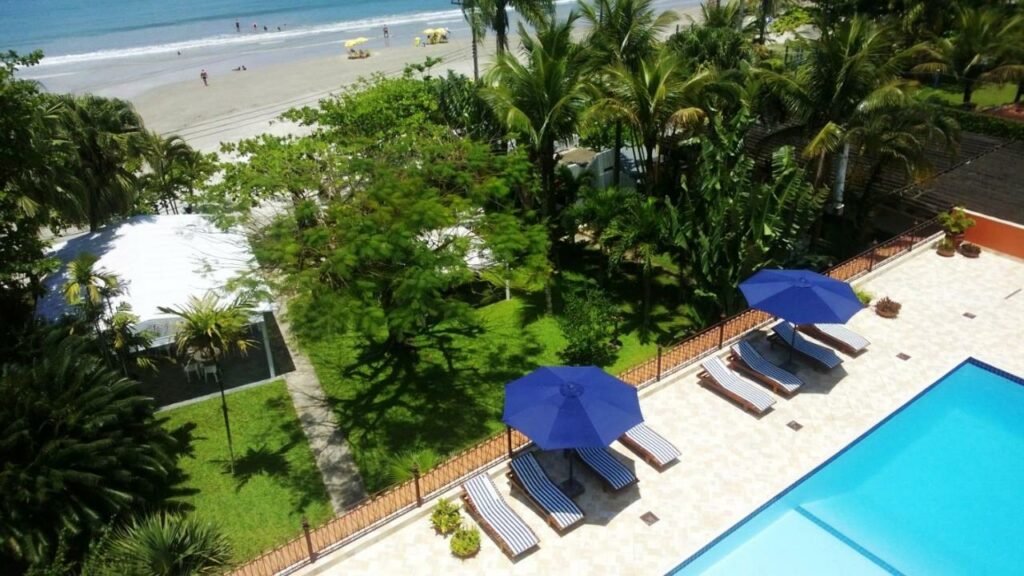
(483, 14)
(766, 9)
(209, 329)
(105, 143)
(168, 160)
(638, 233)
(90, 289)
(847, 74)
(162, 545)
(896, 135)
(79, 445)
(728, 15)
(985, 45)
(658, 98)
(542, 96)
(623, 32)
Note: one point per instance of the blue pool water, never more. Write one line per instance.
(937, 488)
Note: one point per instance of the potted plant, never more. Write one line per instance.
(445, 518)
(955, 223)
(970, 250)
(465, 542)
(887, 308)
(947, 247)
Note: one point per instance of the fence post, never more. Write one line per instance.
(721, 331)
(416, 481)
(508, 434)
(871, 257)
(309, 540)
(658, 377)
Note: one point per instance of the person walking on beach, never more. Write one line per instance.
(203, 76)
(387, 36)
(238, 27)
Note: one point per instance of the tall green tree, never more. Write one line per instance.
(102, 158)
(79, 446)
(659, 98)
(173, 170)
(161, 544)
(208, 329)
(845, 76)
(541, 96)
(622, 33)
(727, 224)
(984, 45)
(637, 233)
(493, 14)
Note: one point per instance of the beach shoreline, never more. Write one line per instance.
(245, 104)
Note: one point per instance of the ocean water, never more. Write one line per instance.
(79, 31)
(125, 47)
(935, 490)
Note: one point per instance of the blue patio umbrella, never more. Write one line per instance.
(571, 407)
(801, 297)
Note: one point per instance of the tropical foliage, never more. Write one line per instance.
(79, 445)
(161, 545)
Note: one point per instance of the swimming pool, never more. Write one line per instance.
(937, 488)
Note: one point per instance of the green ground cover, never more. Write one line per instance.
(398, 410)
(985, 96)
(276, 480)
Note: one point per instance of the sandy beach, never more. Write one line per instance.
(244, 104)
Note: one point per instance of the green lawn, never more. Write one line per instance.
(394, 410)
(276, 480)
(985, 96)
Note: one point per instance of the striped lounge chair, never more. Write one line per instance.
(615, 475)
(747, 360)
(716, 375)
(504, 526)
(823, 357)
(528, 477)
(651, 446)
(837, 336)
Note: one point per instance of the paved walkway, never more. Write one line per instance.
(333, 456)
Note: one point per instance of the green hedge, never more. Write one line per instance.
(985, 124)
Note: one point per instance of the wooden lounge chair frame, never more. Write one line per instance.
(605, 483)
(548, 517)
(818, 334)
(708, 381)
(644, 455)
(491, 531)
(774, 340)
(737, 364)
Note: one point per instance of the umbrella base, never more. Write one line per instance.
(572, 488)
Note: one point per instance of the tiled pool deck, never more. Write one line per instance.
(733, 462)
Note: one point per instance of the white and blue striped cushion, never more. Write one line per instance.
(564, 511)
(495, 512)
(730, 381)
(826, 356)
(613, 471)
(751, 357)
(653, 443)
(839, 332)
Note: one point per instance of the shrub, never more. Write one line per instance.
(985, 124)
(864, 296)
(588, 322)
(956, 221)
(445, 518)
(466, 542)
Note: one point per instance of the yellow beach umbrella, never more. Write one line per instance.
(355, 42)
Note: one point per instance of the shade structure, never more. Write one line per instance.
(571, 407)
(355, 42)
(801, 296)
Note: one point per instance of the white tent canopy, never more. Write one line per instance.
(161, 260)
